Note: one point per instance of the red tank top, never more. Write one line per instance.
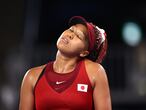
(77, 96)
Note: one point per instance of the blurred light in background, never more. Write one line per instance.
(131, 33)
(8, 95)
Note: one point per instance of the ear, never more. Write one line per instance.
(84, 53)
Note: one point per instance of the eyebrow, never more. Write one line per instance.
(79, 32)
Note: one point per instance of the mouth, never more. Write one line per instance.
(65, 40)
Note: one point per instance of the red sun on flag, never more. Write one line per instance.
(82, 87)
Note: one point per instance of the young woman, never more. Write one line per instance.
(75, 80)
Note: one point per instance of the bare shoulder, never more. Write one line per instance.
(32, 75)
(95, 71)
(94, 68)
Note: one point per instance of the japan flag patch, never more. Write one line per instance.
(82, 87)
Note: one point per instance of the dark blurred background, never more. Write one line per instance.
(29, 30)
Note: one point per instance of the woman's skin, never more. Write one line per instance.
(72, 46)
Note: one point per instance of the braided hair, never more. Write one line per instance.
(98, 53)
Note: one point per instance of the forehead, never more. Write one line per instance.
(81, 27)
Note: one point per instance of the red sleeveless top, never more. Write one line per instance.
(77, 96)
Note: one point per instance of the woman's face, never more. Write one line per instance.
(73, 41)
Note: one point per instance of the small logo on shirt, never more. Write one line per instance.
(59, 82)
(82, 87)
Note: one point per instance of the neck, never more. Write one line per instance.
(64, 64)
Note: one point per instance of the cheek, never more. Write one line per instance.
(59, 38)
(79, 45)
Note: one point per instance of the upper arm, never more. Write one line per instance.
(101, 93)
(26, 92)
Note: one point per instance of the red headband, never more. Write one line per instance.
(91, 36)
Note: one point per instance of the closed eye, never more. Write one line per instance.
(78, 36)
(75, 32)
(71, 30)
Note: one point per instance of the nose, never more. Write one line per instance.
(71, 36)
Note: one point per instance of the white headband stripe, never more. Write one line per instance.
(102, 32)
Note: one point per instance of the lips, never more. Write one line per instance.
(65, 40)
